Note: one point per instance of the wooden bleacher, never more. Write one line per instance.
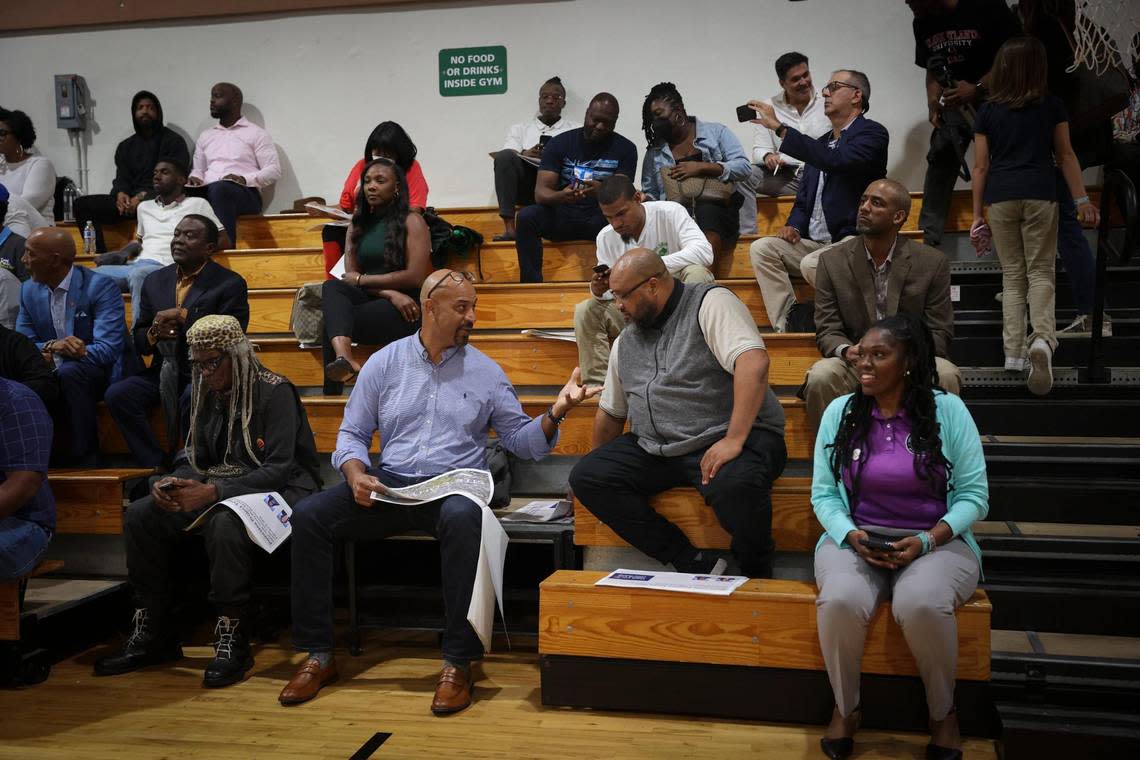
(752, 655)
(10, 599)
(90, 501)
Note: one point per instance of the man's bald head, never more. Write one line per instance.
(605, 98)
(448, 301)
(601, 118)
(641, 286)
(49, 253)
(225, 101)
(232, 90)
(883, 209)
(640, 263)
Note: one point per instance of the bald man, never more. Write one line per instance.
(690, 374)
(233, 161)
(573, 166)
(77, 321)
(874, 275)
(433, 399)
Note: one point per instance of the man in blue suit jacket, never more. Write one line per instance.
(76, 319)
(172, 299)
(838, 168)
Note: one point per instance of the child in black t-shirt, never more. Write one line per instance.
(1020, 132)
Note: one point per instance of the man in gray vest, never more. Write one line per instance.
(690, 372)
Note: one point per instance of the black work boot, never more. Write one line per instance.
(232, 656)
(150, 643)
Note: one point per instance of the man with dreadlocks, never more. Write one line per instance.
(248, 434)
(681, 147)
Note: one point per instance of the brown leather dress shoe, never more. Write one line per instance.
(452, 692)
(307, 681)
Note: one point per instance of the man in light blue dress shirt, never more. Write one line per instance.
(432, 398)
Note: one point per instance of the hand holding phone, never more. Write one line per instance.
(878, 544)
(745, 113)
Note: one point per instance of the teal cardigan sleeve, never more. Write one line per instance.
(968, 500)
(829, 496)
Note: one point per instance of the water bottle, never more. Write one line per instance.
(70, 194)
(89, 239)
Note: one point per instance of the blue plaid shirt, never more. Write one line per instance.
(25, 446)
(434, 418)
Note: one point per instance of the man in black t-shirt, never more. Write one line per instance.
(573, 165)
(966, 35)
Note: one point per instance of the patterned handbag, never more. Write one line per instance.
(307, 320)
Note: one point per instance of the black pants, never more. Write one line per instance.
(942, 165)
(229, 201)
(99, 209)
(152, 533)
(563, 222)
(367, 319)
(324, 518)
(130, 402)
(721, 218)
(514, 182)
(615, 482)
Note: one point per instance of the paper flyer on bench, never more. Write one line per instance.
(477, 486)
(265, 516)
(716, 585)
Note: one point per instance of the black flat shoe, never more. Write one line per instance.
(339, 370)
(936, 752)
(837, 749)
(503, 238)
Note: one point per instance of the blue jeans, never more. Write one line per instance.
(129, 277)
(1073, 248)
(22, 543)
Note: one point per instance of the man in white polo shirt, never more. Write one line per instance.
(157, 218)
(663, 227)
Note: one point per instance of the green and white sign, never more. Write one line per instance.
(473, 71)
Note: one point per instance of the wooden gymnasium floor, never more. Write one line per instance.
(165, 713)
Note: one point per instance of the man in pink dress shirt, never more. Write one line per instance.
(233, 161)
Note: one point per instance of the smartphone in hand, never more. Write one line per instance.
(745, 113)
(878, 544)
(601, 269)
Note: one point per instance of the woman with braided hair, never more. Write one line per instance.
(387, 257)
(686, 148)
(248, 435)
(899, 479)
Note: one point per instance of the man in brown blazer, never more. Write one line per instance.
(871, 276)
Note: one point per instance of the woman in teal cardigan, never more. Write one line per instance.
(899, 479)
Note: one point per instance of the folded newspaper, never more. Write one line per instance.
(716, 585)
(265, 517)
(477, 486)
(566, 335)
(336, 212)
(540, 511)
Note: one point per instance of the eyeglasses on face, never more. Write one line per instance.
(831, 87)
(624, 296)
(207, 365)
(453, 276)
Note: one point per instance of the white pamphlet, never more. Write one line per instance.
(338, 269)
(716, 585)
(477, 486)
(336, 212)
(265, 516)
(539, 511)
(566, 335)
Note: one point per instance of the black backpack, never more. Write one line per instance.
(449, 239)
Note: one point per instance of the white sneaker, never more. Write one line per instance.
(1040, 380)
(1082, 327)
(1014, 365)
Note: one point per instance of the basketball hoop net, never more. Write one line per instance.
(1105, 34)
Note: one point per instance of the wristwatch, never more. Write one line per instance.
(781, 130)
(556, 420)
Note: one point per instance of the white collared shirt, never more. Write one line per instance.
(812, 123)
(525, 134)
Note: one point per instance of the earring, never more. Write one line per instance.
(907, 373)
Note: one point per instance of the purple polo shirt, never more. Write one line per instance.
(891, 493)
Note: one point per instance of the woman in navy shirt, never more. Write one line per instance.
(900, 460)
(1019, 133)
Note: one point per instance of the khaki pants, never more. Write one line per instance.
(773, 260)
(830, 378)
(1025, 237)
(597, 323)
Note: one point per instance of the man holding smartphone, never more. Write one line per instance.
(663, 227)
(516, 165)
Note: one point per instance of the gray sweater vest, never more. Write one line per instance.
(680, 398)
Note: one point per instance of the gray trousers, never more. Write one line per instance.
(923, 597)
